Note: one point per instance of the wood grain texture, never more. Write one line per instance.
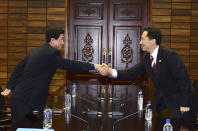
(165, 25)
(181, 1)
(3, 58)
(3, 49)
(17, 29)
(158, 5)
(37, 17)
(56, 17)
(3, 9)
(162, 0)
(194, 39)
(3, 75)
(193, 52)
(17, 16)
(58, 3)
(3, 3)
(16, 35)
(179, 39)
(193, 58)
(3, 42)
(17, 10)
(165, 31)
(36, 37)
(195, 5)
(180, 45)
(35, 43)
(182, 5)
(22, 23)
(36, 23)
(194, 72)
(3, 22)
(183, 32)
(195, 12)
(37, 4)
(180, 25)
(194, 32)
(59, 11)
(17, 3)
(184, 52)
(16, 55)
(38, 30)
(161, 11)
(15, 42)
(181, 12)
(3, 17)
(3, 68)
(13, 62)
(194, 19)
(37, 10)
(161, 18)
(181, 18)
(16, 49)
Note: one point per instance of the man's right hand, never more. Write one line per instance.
(6, 92)
(105, 70)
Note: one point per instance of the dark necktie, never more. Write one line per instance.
(154, 66)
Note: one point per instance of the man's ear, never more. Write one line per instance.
(52, 39)
(154, 41)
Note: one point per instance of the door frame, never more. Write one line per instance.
(66, 48)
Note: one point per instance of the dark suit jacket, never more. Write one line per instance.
(31, 78)
(171, 80)
(2, 101)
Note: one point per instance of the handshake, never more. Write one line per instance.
(103, 69)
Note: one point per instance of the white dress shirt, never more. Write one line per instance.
(154, 55)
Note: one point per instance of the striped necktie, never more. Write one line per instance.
(153, 65)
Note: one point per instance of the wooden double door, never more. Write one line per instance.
(105, 31)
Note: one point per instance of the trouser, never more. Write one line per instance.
(162, 110)
(190, 117)
(18, 110)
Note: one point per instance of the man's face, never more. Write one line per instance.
(146, 43)
(59, 43)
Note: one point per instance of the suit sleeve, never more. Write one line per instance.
(180, 75)
(70, 65)
(16, 74)
(132, 72)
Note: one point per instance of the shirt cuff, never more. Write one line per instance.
(92, 67)
(114, 73)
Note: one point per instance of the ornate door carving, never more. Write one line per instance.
(113, 26)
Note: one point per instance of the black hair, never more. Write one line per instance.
(154, 33)
(53, 33)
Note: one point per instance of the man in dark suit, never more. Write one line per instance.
(168, 73)
(2, 105)
(2, 101)
(30, 80)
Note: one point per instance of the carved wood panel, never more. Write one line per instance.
(88, 11)
(127, 12)
(126, 46)
(88, 43)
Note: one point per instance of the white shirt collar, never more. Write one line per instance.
(154, 54)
